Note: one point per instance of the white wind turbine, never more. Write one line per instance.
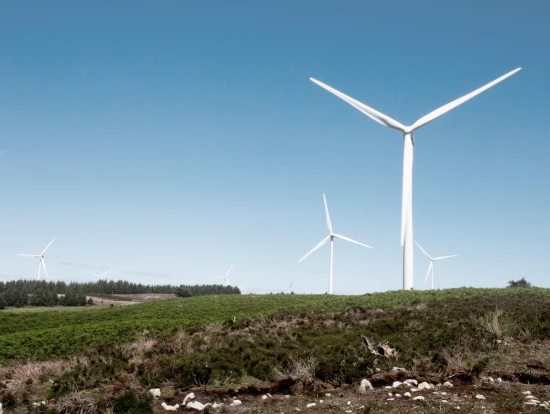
(101, 275)
(331, 237)
(225, 277)
(432, 260)
(41, 263)
(288, 289)
(406, 203)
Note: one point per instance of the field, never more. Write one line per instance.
(303, 345)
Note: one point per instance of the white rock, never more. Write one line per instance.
(499, 380)
(480, 396)
(388, 387)
(264, 397)
(397, 369)
(424, 386)
(327, 394)
(349, 402)
(526, 392)
(390, 394)
(269, 395)
(155, 392)
(236, 402)
(420, 397)
(444, 401)
(448, 384)
(170, 407)
(190, 396)
(391, 399)
(531, 402)
(443, 393)
(297, 409)
(366, 383)
(414, 390)
(491, 380)
(195, 405)
(396, 384)
(530, 397)
(310, 405)
(398, 395)
(407, 394)
(410, 382)
(217, 405)
(321, 401)
(1, 411)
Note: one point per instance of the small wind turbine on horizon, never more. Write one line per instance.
(331, 237)
(406, 201)
(101, 275)
(41, 262)
(225, 277)
(432, 260)
(288, 289)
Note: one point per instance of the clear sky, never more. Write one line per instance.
(172, 139)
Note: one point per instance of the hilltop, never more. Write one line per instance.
(484, 341)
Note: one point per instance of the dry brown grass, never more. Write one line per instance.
(300, 371)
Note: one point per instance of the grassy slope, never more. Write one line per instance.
(54, 334)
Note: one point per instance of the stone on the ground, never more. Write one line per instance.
(264, 397)
(190, 396)
(236, 402)
(414, 389)
(195, 405)
(327, 394)
(480, 396)
(424, 386)
(407, 394)
(366, 383)
(448, 384)
(526, 392)
(420, 397)
(170, 407)
(396, 384)
(410, 382)
(397, 369)
(390, 394)
(217, 405)
(398, 395)
(155, 392)
(310, 405)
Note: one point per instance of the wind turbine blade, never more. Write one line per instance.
(226, 281)
(407, 183)
(352, 241)
(106, 272)
(93, 274)
(326, 239)
(446, 108)
(291, 284)
(370, 112)
(28, 255)
(424, 251)
(429, 268)
(227, 274)
(44, 251)
(44, 265)
(329, 224)
(445, 257)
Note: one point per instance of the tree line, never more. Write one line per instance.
(20, 293)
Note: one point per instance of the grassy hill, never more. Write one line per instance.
(279, 343)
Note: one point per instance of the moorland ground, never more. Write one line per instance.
(493, 342)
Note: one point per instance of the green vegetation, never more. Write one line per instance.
(57, 334)
(41, 293)
(301, 344)
(521, 283)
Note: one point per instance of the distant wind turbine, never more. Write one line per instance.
(101, 275)
(331, 237)
(432, 260)
(225, 277)
(406, 201)
(288, 289)
(41, 263)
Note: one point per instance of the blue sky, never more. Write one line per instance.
(172, 140)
